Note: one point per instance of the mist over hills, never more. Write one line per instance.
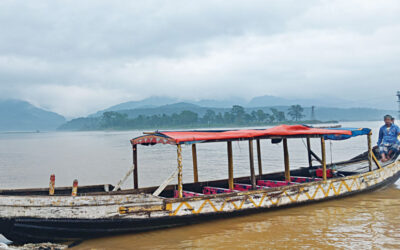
(321, 113)
(148, 108)
(17, 115)
(259, 101)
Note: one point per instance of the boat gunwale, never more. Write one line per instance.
(282, 188)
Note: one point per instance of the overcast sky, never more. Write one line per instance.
(76, 57)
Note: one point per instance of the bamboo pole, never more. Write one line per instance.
(369, 151)
(230, 165)
(259, 158)
(286, 158)
(309, 152)
(135, 169)
(194, 157)
(251, 158)
(323, 151)
(180, 186)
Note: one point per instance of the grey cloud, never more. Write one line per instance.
(77, 57)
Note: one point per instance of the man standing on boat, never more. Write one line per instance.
(388, 142)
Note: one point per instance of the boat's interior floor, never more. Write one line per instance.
(271, 180)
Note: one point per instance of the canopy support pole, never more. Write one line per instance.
(135, 169)
(251, 157)
(323, 151)
(194, 156)
(180, 186)
(309, 152)
(259, 158)
(230, 165)
(369, 152)
(286, 158)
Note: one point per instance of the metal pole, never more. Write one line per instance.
(259, 158)
(194, 156)
(251, 157)
(309, 152)
(135, 169)
(323, 151)
(286, 158)
(230, 165)
(180, 188)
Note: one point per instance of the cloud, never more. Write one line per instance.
(76, 58)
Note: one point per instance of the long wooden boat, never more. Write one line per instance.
(36, 215)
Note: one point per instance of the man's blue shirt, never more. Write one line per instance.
(388, 135)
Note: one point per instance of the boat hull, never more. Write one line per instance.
(178, 212)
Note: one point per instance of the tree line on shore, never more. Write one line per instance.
(237, 116)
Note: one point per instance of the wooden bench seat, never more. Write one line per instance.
(301, 179)
(273, 183)
(216, 190)
(245, 187)
(186, 194)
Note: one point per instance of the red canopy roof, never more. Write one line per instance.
(180, 137)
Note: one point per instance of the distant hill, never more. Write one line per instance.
(17, 115)
(161, 101)
(151, 102)
(322, 114)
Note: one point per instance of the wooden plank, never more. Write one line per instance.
(180, 185)
(135, 169)
(259, 158)
(286, 158)
(369, 152)
(376, 161)
(316, 156)
(194, 157)
(230, 165)
(251, 158)
(309, 152)
(323, 152)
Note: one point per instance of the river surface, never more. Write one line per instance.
(364, 221)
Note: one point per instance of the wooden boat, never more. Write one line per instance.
(35, 215)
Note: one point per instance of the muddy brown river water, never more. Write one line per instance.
(367, 221)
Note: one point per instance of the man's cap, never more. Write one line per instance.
(388, 117)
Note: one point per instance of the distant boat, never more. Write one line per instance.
(31, 215)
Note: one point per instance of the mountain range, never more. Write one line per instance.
(17, 115)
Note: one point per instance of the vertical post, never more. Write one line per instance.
(74, 188)
(323, 152)
(309, 152)
(180, 188)
(286, 158)
(251, 157)
(135, 169)
(259, 158)
(194, 157)
(52, 184)
(230, 165)
(369, 152)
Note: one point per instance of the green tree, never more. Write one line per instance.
(188, 117)
(261, 116)
(277, 115)
(296, 112)
(238, 114)
(112, 119)
(209, 117)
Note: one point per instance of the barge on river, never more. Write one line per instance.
(35, 215)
